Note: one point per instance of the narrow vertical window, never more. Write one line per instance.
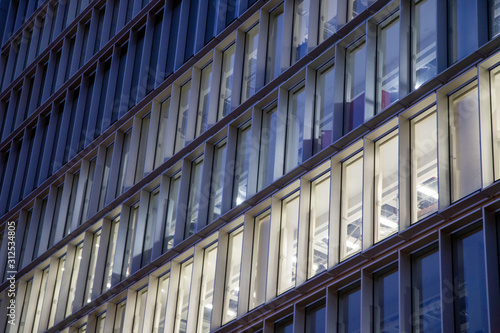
(191, 29)
(268, 148)
(284, 325)
(232, 285)
(72, 202)
(316, 317)
(122, 58)
(355, 82)
(141, 153)
(161, 304)
(86, 191)
(327, 19)
(349, 310)
(385, 302)
(351, 206)
(300, 29)
(147, 247)
(318, 225)
(100, 323)
(195, 188)
(260, 252)
(355, 7)
(495, 120)
(287, 267)
(119, 316)
(173, 193)
(494, 18)
(120, 184)
(274, 44)
(463, 25)
(465, 157)
(140, 306)
(242, 167)
(424, 175)
(183, 297)
(226, 82)
(134, 86)
(387, 64)
(218, 177)
(24, 310)
(207, 289)
(182, 117)
(110, 255)
(162, 131)
(204, 99)
(211, 20)
(92, 265)
(324, 103)
(132, 225)
(105, 175)
(424, 41)
(386, 187)
(74, 277)
(296, 128)
(426, 299)
(57, 289)
(39, 300)
(250, 63)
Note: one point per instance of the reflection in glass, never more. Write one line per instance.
(171, 208)
(120, 188)
(105, 175)
(494, 19)
(464, 143)
(140, 306)
(495, 118)
(328, 19)
(323, 116)
(207, 289)
(182, 120)
(24, 309)
(226, 82)
(161, 304)
(39, 301)
(57, 289)
(250, 63)
(259, 259)
(386, 303)
(287, 267)
(351, 206)
(110, 256)
(92, 264)
(388, 64)
(242, 167)
(141, 153)
(269, 158)
(354, 110)
(147, 247)
(132, 224)
(119, 316)
(318, 225)
(195, 188)
(316, 318)
(300, 29)
(386, 187)
(74, 278)
(349, 314)
(218, 174)
(204, 99)
(355, 7)
(183, 297)
(462, 28)
(424, 166)
(426, 299)
(295, 128)
(100, 323)
(284, 326)
(162, 131)
(232, 287)
(274, 44)
(424, 41)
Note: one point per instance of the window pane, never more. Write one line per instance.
(259, 259)
(120, 188)
(495, 118)
(173, 193)
(110, 256)
(284, 326)
(105, 176)
(356, 7)
(349, 315)
(140, 305)
(464, 143)
(386, 187)
(295, 128)
(182, 120)
(74, 278)
(39, 300)
(195, 187)
(386, 303)
(119, 316)
(328, 19)
(161, 304)
(100, 323)
(462, 28)
(424, 41)
(354, 112)
(57, 289)
(494, 10)
(300, 29)
(162, 131)
(24, 310)
(207, 289)
(234, 252)
(250, 65)
(91, 270)
(204, 99)
(242, 167)
(132, 224)
(183, 297)
(323, 118)
(147, 247)
(216, 188)
(274, 44)
(226, 82)
(287, 269)
(316, 318)
(424, 166)
(141, 153)
(471, 312)
(388, 64)
(426, 300)
(318, 228)
(87, 190)
(351, 206)
(268, 148)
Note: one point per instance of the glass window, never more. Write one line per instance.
(355, 84)
(204, 99)
(100, 323)
(92, 265)
(140, 306)
(284, 326)
(110, 255)
(300, 29)
(232, 10)
(74, 278)
(426, 300)
(182, 118)
(24, 310)
(134, 85)
(147, 247)
(132, 225)
(39, 301)
(287, 267)
(120, 187)
(57, 289)
(175, 7)
(274, 43)
(471, 309)
(323, 116)
(318, 225)
(218, 174)
(351, 206)
(250, 63)
(327, 19)
(162, 131)
(207, 289)
(495, 119)
(84, 44)
(386, 302)
(296, 127)
(355, 7)
(349, 311)
(211, 19)
(173, 194)
(155, 51)
(465, 157)
(424, 41)
(119, 316)
(86, 194)
(102, 99)
(226, 82)
(161, 304)
(183, 297)
(424, 166)
(316, 318)
(494, 19)
(105, 175)
(259, 259)
(242, 167)
(388, 64)
(141, 153)
(195, 188)
(234, 252)
(119, 83)
(191, 29)
(386, 187)
(55, 216)
(463, 24)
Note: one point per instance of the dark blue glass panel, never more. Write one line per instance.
(386, 303)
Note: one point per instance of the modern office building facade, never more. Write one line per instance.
(250, 166)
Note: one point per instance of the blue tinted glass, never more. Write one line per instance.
(462, 28)
(386, 303)
(211, 19)
(471, 312)
(315, 319)
(191, 32)
(285, 326)
(232, 11)
(355, 83)
(349, 312)
(134, 87)
(172, 41)
(155, 50)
